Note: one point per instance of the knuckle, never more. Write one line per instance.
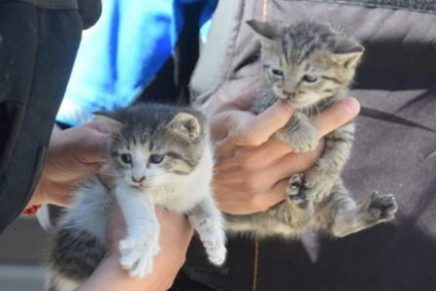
(252, 183)
(245, 165)
(257, 140)
(251, 140)
(259, 203)
(249, 183)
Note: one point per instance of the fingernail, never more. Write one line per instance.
(352, 106)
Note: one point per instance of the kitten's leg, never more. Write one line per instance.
(343, 217)
(286, 219)
(320, 179)
(207, 220)
(299, 133)
(142, 240)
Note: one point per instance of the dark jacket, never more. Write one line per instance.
(38, 43)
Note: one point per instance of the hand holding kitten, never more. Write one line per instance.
(252, 171)
(175, 236)
(159, 157)
(73, 155)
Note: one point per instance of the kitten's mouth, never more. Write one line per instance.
(297, 101)
(288, 97)
(293, 101)
(142, 186)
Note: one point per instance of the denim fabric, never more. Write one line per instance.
(121, 55)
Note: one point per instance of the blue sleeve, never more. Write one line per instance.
(121, 54)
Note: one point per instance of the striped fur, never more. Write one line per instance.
(76, 253)
(311, 66)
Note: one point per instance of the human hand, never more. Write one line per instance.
(252, 170)
(73, 155)
(174, 239)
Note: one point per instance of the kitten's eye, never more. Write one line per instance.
(156, 158)
(126, 158)
(309, 79)
(277, 72)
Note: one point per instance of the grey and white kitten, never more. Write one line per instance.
(159, 156)
(311, 66)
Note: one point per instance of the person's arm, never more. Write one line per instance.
(252, 170)
(175, 236)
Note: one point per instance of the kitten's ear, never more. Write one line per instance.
(350, 56)
(185, 124)
(109, 119)
(266, 30)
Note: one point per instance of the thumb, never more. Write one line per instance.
(253, 130)
(262, 126)
(336, 115)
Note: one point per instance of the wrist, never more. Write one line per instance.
(111, 276)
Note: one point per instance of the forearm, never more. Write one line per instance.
(109, 276)
(174, 241)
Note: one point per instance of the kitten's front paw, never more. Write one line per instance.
(304, 140)
(137, 256)
(213, 240)
(382, 207)
(216, 251)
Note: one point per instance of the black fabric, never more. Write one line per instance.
(48, 4)
(236, 274)
(37, 50)
(171, 84)
(90, 11)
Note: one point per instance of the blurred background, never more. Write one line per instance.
(22, 256)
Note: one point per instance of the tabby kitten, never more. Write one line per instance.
(310, 66)
(159, 156)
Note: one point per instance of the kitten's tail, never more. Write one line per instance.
(57, 282)
(75, 255)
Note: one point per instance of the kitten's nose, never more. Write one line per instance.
(290, 95)
(138, 180)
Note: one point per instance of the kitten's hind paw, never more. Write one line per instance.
(382, 207)
(216, 252)
(296, 188)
